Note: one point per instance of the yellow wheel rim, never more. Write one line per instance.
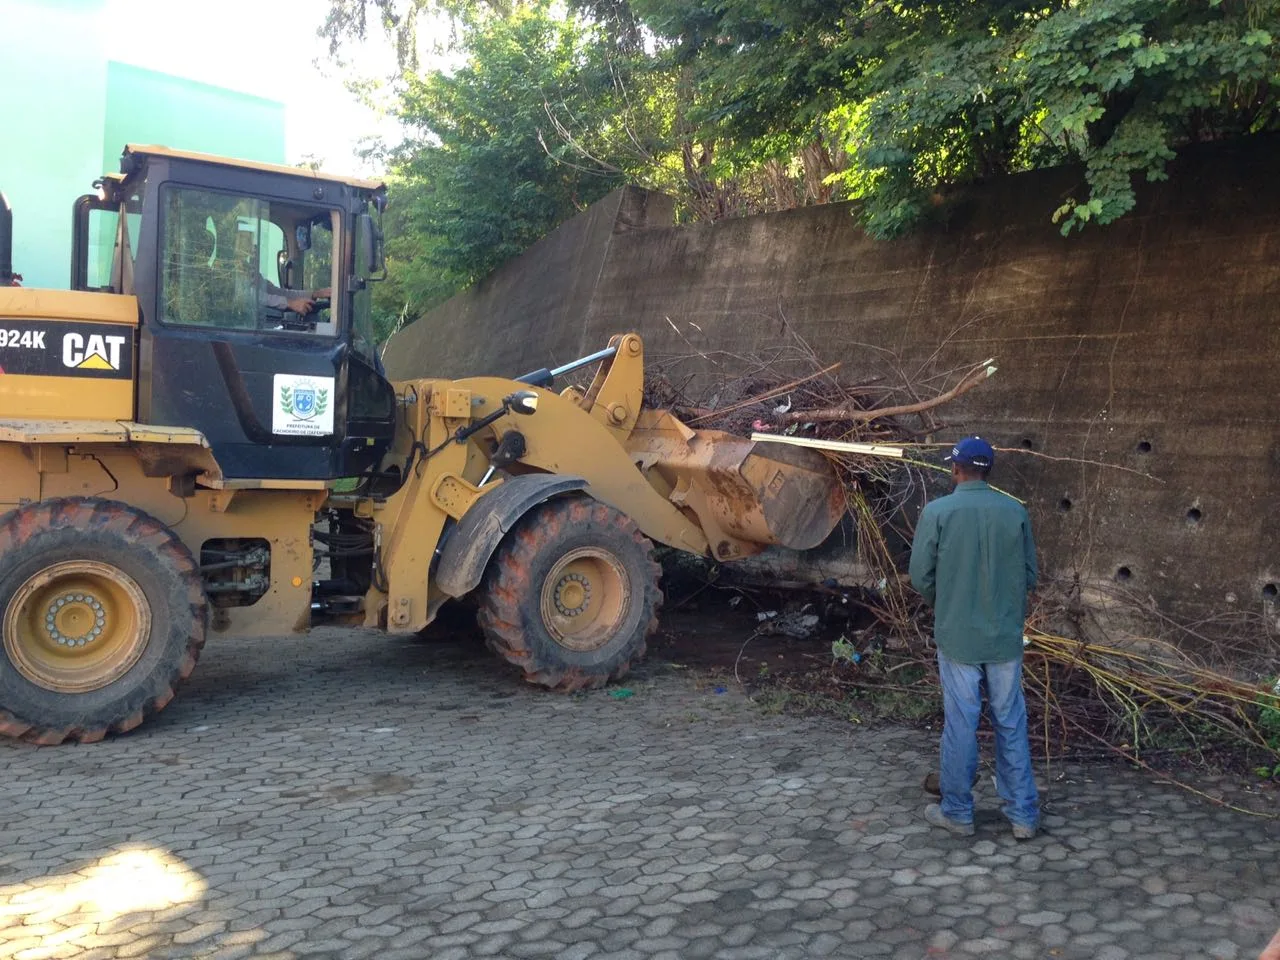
(585, 598)
(76, 626)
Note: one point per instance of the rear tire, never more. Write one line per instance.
(571, 595)
(102, 616)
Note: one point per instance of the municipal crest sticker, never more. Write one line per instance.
(303, 406)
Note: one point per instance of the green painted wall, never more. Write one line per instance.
(143, 106)
(69, 110)
(52, 70)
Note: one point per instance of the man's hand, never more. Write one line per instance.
(1272, 950)
(301, 305)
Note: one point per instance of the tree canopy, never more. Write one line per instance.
(743, 106)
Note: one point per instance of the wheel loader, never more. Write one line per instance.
(190, 448)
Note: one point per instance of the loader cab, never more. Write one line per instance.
(253, 282)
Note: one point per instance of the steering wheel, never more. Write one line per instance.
(306, 321)
(298, 322)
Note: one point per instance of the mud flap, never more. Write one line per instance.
(478, 533)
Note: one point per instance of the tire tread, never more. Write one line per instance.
(144, 531)
(509, 586)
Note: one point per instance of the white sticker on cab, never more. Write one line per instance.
(302, 406)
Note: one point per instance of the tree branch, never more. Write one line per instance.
(848, 412)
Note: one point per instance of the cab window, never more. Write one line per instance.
(245, 263)
(104, 228)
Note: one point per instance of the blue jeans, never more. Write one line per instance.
(962, 686)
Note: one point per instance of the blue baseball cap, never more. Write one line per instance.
(973, 452)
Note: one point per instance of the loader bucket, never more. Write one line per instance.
(800, 496)
(747, 495)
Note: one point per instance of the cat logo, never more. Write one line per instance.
(95, 352)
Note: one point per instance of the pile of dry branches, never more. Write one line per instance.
(792, 392)
(1143, 699)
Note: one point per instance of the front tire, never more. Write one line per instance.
(571, 595)
(102, 616)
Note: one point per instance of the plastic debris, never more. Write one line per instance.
(622, 693)
(842, 649)
(735, 600)
(798, 626)
(720, 691)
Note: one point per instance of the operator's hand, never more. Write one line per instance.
(1272, 950)
(301, 305)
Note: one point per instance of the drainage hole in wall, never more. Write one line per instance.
(1194, 515)
(1123, 574)
(1028, 443)
(1144, 446)
(1064, 504)
(1270, 591)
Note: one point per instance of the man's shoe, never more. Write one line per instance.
(933, 813)
(933, 783)
(1021, 832)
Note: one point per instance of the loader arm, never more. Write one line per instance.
(744, 495)
(703, 492)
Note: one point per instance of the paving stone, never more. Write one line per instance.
(1042, 918)
(290, 829)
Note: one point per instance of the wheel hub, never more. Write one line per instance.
(573, 594)
(585, 598)
(75, 619)
(76, 626)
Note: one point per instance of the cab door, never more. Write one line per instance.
(257, 367)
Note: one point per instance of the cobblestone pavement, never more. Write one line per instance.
(348, 795)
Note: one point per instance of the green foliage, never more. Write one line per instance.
(739, 106)
(929, 95)
(479, 180)
(398, 19)
(1269, 718)
(843, 650)
(1269, 726)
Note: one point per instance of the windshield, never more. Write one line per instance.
(246, 263)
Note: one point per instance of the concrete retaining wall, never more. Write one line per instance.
(1151, 344)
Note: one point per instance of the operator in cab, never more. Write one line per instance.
(253, 286)
(300, 302)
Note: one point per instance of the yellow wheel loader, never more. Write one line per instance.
(189, 447)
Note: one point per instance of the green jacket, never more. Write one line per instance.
(974, 561)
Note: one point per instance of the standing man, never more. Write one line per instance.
(974, 561)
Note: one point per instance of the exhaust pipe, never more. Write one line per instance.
(6, 242)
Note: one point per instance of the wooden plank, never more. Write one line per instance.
(835, 446)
